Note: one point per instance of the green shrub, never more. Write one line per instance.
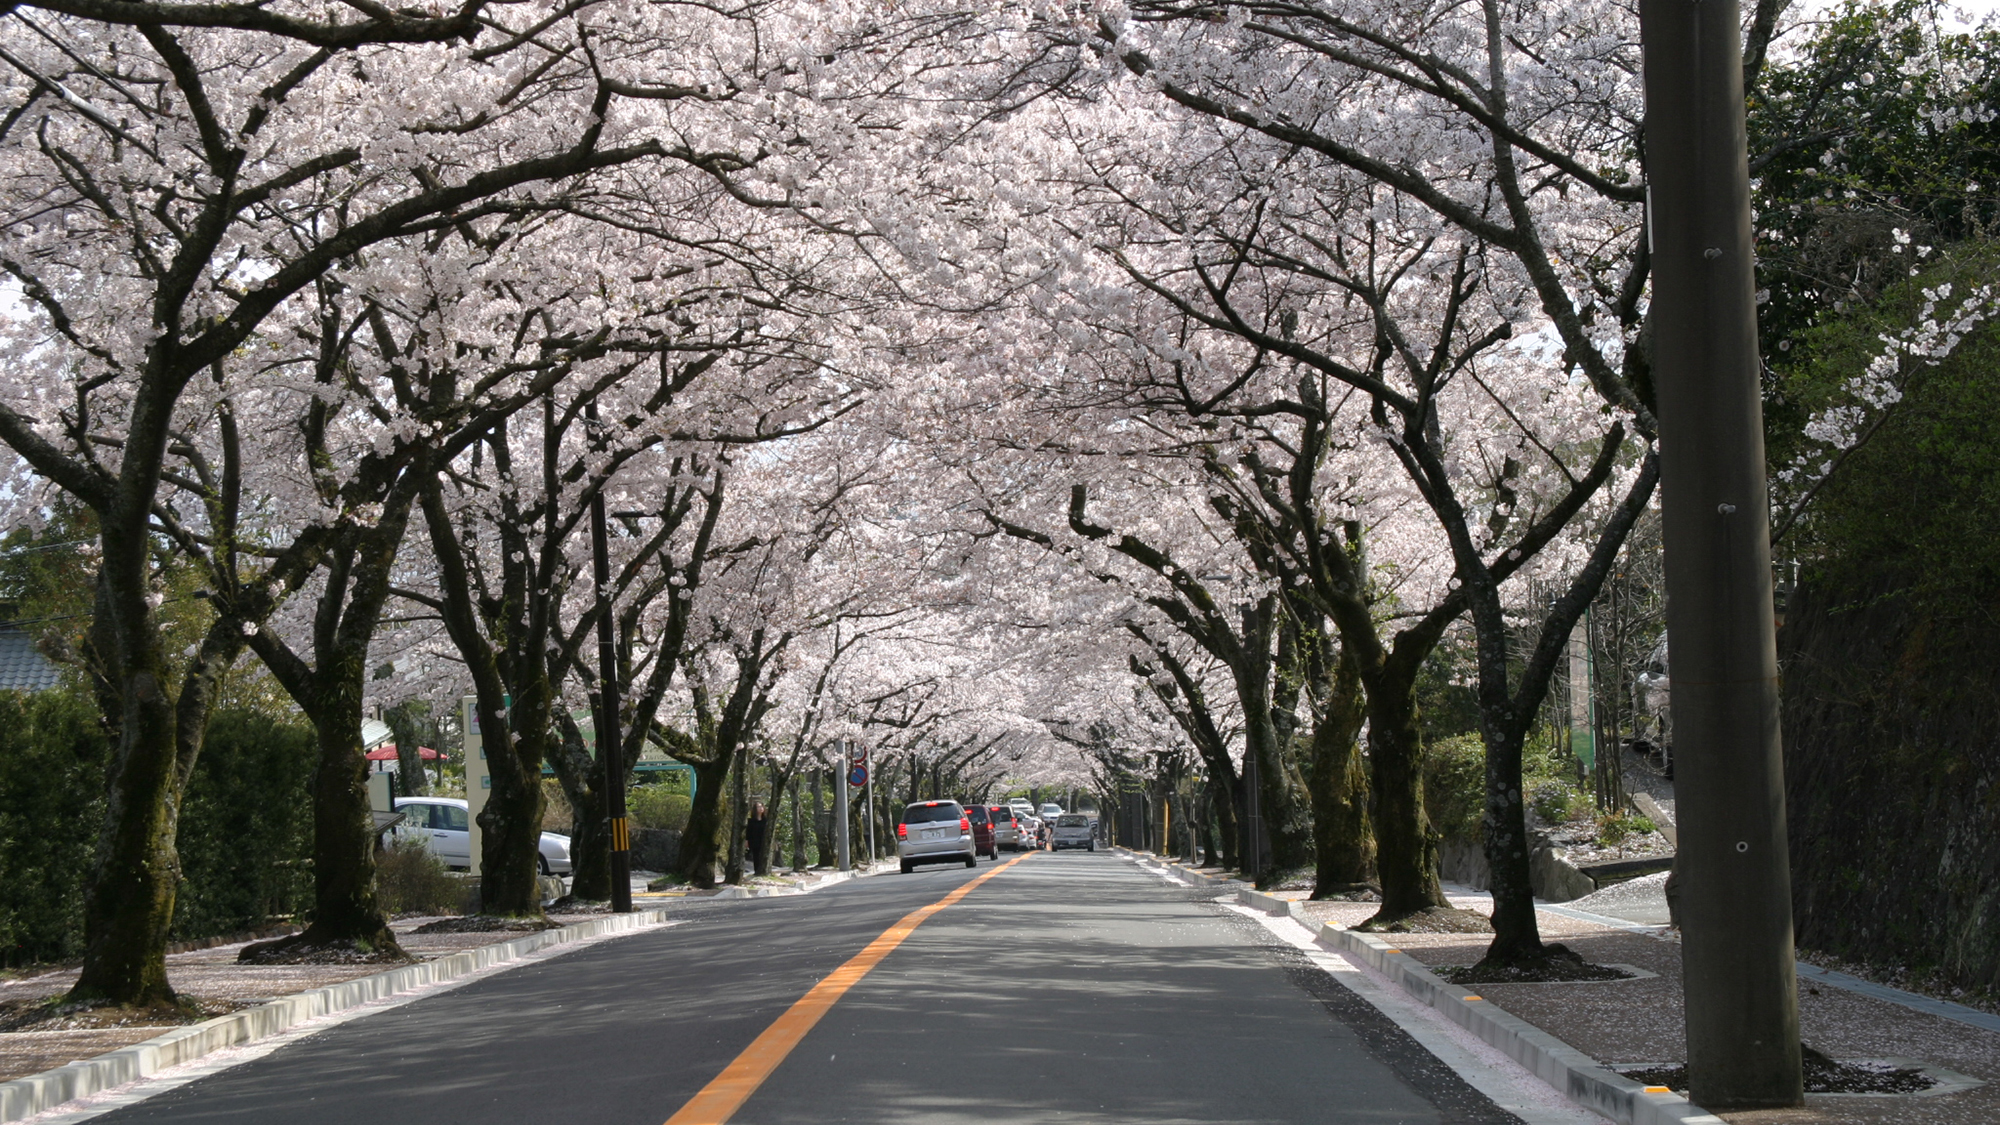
(557, 816)
(52, 757)
(246, 825)
(1614, 828)
(652, 806)
(411, 879)
(1554, 801)
(1455, 786)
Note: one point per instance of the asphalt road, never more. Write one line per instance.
(1070, 988)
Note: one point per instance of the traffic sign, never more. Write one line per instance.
(858, 775)
(857, 754)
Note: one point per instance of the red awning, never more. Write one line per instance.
(387, 753)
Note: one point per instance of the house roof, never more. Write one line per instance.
(22, 665)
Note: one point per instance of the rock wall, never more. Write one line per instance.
(1892, 779)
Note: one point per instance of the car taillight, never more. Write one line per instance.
(902, 832)
(964, 824)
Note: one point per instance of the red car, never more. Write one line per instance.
(982, 832)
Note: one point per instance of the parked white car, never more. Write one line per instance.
(445, 822)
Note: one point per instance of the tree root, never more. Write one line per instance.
(1430, 920)
(309, 949)
(1555, 962)
(1346, 892)
(487, 924)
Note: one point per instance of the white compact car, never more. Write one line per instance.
(446, 823)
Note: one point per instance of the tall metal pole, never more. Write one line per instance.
(840, 788)
(609, 749)
(1253, 826)
(868, 803)
(1733, 870)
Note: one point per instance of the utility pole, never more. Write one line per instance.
(840, 788)
(868, 806)
(609, 750)
(1733, 870)
(1253, 820)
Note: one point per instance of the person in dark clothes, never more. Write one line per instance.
(753, 836)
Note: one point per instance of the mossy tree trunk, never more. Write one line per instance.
(1343, 845)
(719, 741)
(329, 689)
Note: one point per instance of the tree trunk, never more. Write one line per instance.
(732, 864)
(345, 910)
(582, 779)
(798, 829)
(1280, 791)
(1406, 845)
(410, 729)
(822, 826)
(1342, 844)
(1222, 827)
(1516, 936)
(510, 826)
(706, 813)
(129, 903)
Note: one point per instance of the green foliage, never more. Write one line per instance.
(52, 758)
(1455, 786)
(1617, 826)
(1880, 121)
(411, 879)
(1447, 704)
(654, 806)
(1554, 802)
(1915, 508)
(246, 825)
(557, 815)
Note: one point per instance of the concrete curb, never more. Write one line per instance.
(24, 1097)
(1574, 1074)
(1179, 871)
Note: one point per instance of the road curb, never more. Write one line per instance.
(1572, 1073)
(1180, 871)
(23, 1097)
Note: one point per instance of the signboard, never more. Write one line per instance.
(478, 775)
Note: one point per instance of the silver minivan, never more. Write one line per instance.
(1075, 830)
(934, 832)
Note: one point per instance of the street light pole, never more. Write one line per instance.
(840, 788)
(609, 751)
(1733, 870)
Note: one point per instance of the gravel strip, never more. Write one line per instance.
(1640, 1021)
(214, 974)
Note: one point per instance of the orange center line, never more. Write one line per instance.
(726, 1092)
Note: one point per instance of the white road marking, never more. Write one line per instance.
(1507, 1083)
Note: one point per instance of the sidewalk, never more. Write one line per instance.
(212, 978)
(1641, 1021)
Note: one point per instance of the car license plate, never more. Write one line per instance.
(933, 833)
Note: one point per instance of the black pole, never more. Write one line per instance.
(1733, 871)
(1253, 851)
(609, 750)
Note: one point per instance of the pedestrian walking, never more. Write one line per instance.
(753, 836)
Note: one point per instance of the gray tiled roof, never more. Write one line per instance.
(22, 666)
